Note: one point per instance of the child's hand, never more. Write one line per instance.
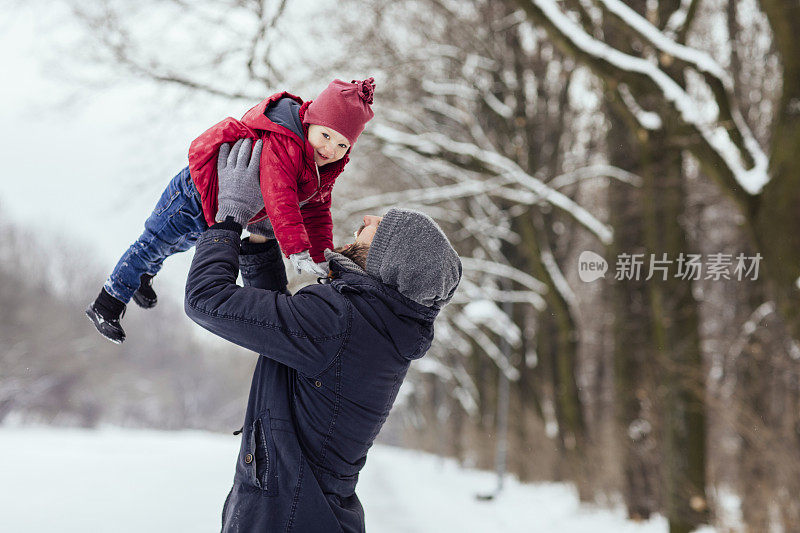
(302, 261)
(239, 187)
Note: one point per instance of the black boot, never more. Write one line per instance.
(105, 313)
(145, 296)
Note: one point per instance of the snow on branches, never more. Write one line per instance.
(725, 134)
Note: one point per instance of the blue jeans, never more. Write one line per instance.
(174, 226)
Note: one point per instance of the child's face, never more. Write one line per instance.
(329, 145)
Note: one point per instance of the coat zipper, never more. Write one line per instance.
(319, 187)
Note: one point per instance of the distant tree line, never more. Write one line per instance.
(56, 369)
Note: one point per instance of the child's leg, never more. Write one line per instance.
(174, 226)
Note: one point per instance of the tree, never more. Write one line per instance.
(765, 184)
(226, 48)
(679, 97)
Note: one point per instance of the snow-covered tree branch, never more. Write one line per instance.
(722, 139)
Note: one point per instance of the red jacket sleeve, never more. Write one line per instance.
(317, 218)
(279, 174)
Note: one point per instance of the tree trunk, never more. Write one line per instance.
(561, 349)
(633, 345)
(777, 216)
(677, 353)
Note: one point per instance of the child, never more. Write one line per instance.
(305, 147)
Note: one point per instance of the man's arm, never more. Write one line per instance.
(261, 265)
(304, 331)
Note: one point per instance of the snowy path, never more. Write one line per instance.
(115, 480)
(434, 495)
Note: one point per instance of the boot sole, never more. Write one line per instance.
(90, 315)
(144, 303)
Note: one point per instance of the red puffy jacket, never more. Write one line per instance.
(297, 197)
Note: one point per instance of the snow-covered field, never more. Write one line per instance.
(119, 480)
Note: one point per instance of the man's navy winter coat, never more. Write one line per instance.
(333, 357)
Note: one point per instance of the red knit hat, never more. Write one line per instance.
(344, 107)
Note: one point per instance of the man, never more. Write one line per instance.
(333, 355)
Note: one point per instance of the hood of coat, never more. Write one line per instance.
(284, 112)
(257, 119)
(411, 253)
(407, 324)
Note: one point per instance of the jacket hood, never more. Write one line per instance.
(411, 253)
(256, 119)
(284, 112)
(406, 323)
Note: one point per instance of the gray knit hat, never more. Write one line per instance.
(411, 254)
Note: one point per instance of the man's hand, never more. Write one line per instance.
(239, 187)
(302, 261)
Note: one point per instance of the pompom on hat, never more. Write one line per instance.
(344, 107)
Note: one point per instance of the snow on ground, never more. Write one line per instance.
(121, 480)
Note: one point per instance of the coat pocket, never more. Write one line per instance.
(262, 457)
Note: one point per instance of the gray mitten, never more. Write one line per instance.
(239, 187)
